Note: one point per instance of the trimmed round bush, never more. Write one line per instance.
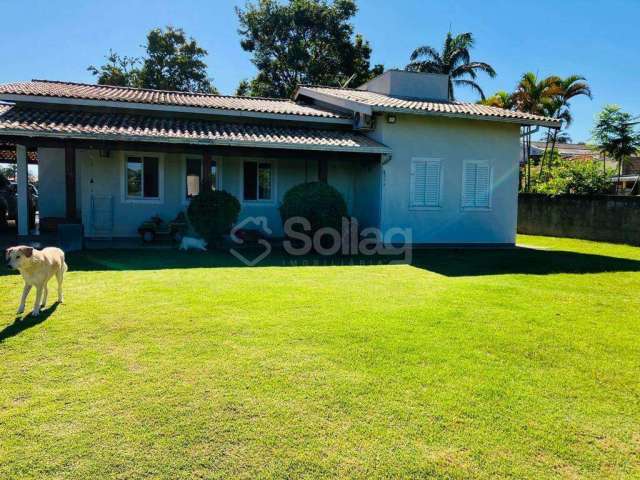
(212, 214)
(320, 203)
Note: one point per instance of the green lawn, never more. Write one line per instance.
(522, 363)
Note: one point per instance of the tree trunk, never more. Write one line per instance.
(619, 175)
(528, 137)
(546, 146)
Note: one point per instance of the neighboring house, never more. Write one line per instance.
(400, 153)
(570, 151)
(629, 182)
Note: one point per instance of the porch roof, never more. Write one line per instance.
(118, 126)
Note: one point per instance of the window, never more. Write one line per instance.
(425, 182)
(143, 177)
(476, 184)
(214, 175)
(257, 180)
(194, 176)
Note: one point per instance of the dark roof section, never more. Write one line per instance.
(80, 124)
(8, 153)
(83, 91)
(392, 104)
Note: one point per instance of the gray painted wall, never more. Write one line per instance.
(605, 218)
(453, 141)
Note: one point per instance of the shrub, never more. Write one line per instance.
(321, 204)
(212, 214)
(578, 177)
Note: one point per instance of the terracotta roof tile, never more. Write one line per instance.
(47, 88)
(123, 126)
(387, 103)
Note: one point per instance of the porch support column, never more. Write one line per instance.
(206, 171)
(70, 181)
(323, 170)
(22, 179)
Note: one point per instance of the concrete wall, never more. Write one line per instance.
(453, 141)
(604, 218)
(101, 176)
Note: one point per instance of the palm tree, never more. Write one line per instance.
(571, 86)
(499, 99)
(537, 96)
(454, 60)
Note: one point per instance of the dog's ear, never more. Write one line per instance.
(28, 251)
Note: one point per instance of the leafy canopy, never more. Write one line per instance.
(172, 62)
(547, 96)
(615, 134)
(302, 42)
(453, 60)
(576, 177)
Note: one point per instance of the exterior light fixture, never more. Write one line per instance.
(391, 118)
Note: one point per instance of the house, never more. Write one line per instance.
(399, 151)
(568, 151)
(629, 182)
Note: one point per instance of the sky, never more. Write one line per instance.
(597, 39)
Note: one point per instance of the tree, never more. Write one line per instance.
(499, 99)
(119, 71)
(571, 86)
(303, 42)
(534, 96)
(172, 62)
(453, 60)
(615, 135)
(576, 177)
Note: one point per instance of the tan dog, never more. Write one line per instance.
(37, 268)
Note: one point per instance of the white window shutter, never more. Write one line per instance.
(476, 184)
(483, 184)
(425, 182)
(419, 182)
(469, 184)
(432, 183)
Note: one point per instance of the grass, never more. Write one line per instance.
(482, 364)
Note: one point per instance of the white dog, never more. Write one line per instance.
(195, 243)
(37, 268)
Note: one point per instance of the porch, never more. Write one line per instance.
(111, 187)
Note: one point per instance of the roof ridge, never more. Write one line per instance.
(123, 87)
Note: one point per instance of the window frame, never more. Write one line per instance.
(474, 208)
(416, 207)
(183, 174)
(274, 183)
(125, 198)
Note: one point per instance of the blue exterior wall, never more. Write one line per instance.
(100, 176)
(453, 141)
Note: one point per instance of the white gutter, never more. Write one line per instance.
(230, 143)
(173, 108)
